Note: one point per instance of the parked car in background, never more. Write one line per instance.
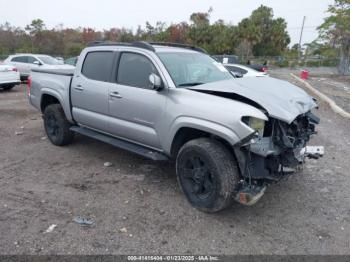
(26, 62)
(233, 59)
(9, 77)
(244, 70)
(60, 60)
(71, 61)
(258, 67)
(226, 59)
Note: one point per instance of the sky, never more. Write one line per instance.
(104, 14)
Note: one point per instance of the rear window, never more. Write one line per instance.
(98, 65)
(20, 59)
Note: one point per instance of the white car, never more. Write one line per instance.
(26, 62)
(244, 70)
(9, 77)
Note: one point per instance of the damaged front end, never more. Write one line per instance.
(274, 151)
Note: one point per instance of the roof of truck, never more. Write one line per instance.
(164, 49)
(151, 46)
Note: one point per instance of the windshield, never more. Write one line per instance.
(49, 60)
(190, 69)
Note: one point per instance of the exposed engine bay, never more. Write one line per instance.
(278, 152)
(280, 147)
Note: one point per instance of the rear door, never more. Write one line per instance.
(89, 90)
(136, 109)
(21, 62)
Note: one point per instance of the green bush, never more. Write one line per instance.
(330, 62)
(283, 63)
(313, 63)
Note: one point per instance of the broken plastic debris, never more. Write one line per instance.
(83, 221)
(123, 230)
(51, 228)
(108, 164)
(18, 133)
(313, 151)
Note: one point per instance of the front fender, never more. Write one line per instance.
(204, 125)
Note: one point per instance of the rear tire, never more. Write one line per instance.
(57, 126)
(207, 173)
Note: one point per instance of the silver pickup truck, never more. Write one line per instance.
(229, 138)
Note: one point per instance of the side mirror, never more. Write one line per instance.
(236, 74)
(155, 81)
(36, 62)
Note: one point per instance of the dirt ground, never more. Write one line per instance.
(138, 208)
(337, 88)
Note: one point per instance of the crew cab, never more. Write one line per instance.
(229, 138)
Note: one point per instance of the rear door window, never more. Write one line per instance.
(134, 70)
(98, 65)
(20, 59)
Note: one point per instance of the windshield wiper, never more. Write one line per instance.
(191, 84)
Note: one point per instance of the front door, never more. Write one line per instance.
(135, 107)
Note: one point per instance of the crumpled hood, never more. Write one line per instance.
(281, 99)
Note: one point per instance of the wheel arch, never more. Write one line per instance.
(48, 97)
(196, 128)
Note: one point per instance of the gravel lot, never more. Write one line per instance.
(337, 88)
(138, 208)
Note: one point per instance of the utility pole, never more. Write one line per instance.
(301, 37)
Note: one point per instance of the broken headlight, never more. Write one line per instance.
(255, 123)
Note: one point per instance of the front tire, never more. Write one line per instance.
(57, 126)
(207, 173)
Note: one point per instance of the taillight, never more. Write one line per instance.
(264, 69)
(29, 84)
(14, 69)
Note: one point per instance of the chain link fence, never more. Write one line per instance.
(279, 61)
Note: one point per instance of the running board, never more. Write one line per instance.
(134, 148)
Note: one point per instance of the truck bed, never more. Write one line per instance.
(55, 82)
(66, 72)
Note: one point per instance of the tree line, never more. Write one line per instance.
(260, 35)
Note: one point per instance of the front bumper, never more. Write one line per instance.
(282, 147)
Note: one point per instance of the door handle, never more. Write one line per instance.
(79, 87)
(115, 95)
